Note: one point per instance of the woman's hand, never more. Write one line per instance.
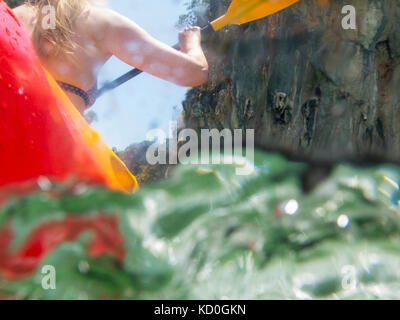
(190, 39)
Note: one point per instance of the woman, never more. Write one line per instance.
(86, 36)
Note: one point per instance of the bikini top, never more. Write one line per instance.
(89, 97)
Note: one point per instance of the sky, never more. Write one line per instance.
(126, 114)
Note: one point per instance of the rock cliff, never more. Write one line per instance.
(308, 87)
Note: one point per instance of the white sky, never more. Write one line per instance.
(126, 114)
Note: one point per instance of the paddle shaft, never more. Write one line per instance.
(133, 73)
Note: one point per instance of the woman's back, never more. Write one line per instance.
(79, 69)
(99, 33)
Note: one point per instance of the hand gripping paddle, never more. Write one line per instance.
(239, 12)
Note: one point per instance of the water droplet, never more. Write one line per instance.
(44, 183)
(391, 181)
(343, 221)
(84, 267)
(133, 46)
(20, 91)
(320, 211)
(81, 188)
(290, 207)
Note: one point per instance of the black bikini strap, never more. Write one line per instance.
(88, 97)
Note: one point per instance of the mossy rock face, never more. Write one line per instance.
(308, 87)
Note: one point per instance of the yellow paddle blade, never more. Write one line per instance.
(243, 11)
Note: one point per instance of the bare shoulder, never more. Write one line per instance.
(100, 17)
(108, 26)
(96, 21)
(24, 13)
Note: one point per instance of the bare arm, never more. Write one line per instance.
(130, 43)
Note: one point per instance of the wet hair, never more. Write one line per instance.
(62, 36)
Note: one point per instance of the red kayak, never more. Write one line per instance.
(41, 132)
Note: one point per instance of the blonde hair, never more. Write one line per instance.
(62, 36)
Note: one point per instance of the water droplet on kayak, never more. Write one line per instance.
(3, 106)
(20, 91)
(4, 82)
(44, 183)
